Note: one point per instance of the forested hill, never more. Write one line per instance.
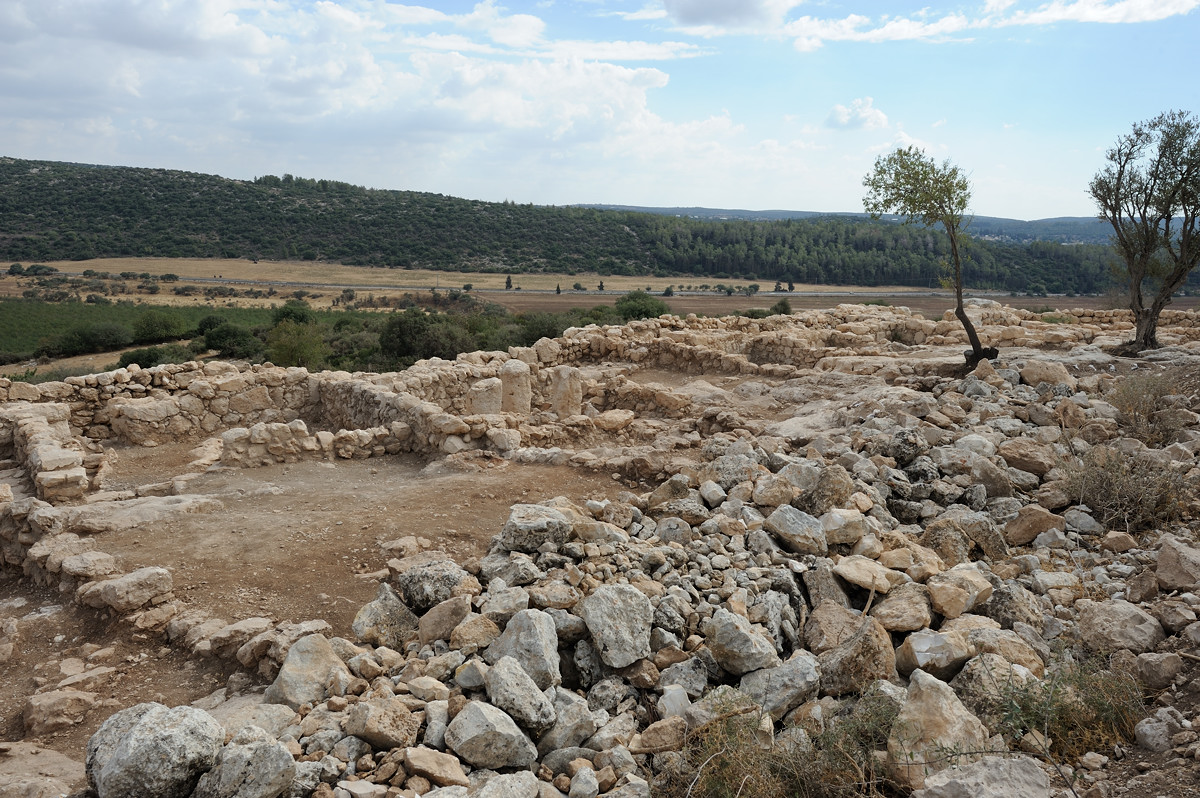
(61, 211)
(1063, 229)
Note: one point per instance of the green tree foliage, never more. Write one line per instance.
(102, 337)
(907, 183)
(291, 343)
(208, 323)
(1149, 191)
(234, 341)
(403, 336)
(416, 335)
(296, 310)
(153, 326)
(640, 305)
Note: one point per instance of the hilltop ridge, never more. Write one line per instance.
(61, 211)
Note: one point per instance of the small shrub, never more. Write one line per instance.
(640, 305)
(881, 302)
(293, 344)
(1141, 402)
(156, 355)
(1134, 491)
(296, 310)
(781, 308)
(1077, 708)
(156, 325)
(729, 758)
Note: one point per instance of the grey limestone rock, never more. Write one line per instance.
(511, 689)
(618, 618)
(798, 531)
(253, 765)
(150, 751)
(1107, 626)
(736, 646)
(428, 584)
(531, 639)
(990, 777)
(386, 621)
(487, 737)
(782, 689)
(305, 673)
(531, 525)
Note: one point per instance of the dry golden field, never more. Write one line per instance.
(325, 282)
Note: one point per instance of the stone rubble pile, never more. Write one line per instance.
(916, 545)
(925, 554)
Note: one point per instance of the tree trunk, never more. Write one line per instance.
(1146, 334)
(978, 353)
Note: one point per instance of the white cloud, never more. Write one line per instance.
(713, 17)
(1122, 11)
(516, 30)
(861, 114)
(643, 14)
(811, 33)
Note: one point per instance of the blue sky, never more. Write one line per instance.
(718, 103)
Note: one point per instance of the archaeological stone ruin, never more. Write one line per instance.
(832, 509)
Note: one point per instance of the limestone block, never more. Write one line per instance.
(487, 737)
(131, 591)
(485, 397)
(1178, 565)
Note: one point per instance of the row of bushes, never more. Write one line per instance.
(438, 325)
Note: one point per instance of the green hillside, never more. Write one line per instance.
(62, 211)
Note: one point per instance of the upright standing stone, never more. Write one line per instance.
(566, 391)
(517, 386)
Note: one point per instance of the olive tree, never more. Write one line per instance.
(1149, 191)
(917, 189)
